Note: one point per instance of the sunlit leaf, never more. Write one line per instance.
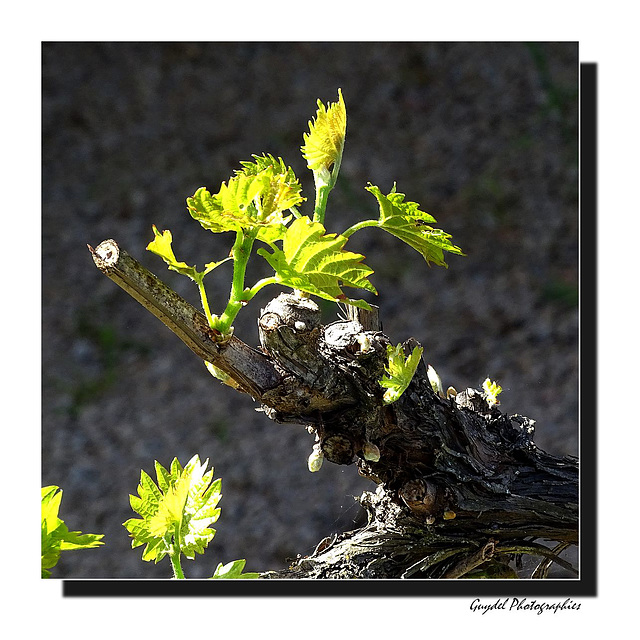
(315, 262)
(177, 511)
(161, 246)
(56, 537)
(258, 196)
(233, 571)
(407, 222)
(400, 371)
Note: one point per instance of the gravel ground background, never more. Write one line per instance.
(482, 135)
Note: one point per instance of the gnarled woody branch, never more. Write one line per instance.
(460, 485)
(251, 371)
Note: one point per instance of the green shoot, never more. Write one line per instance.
(322, 149)
(56, 537)
(492, 390)
(400, 371)
(260, 202)
(176, 512)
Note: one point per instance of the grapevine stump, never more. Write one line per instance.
(458, 487)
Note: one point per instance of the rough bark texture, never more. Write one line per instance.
(460, 484)
(461, 487)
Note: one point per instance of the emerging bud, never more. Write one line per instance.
(491, 390)
(371, 452)
(434, 379)
(324, 143)
(315, 459)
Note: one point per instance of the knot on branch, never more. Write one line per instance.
(290, 334)
(423, 498)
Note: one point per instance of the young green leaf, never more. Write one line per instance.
(324, 143)
(233, 571)
(406, 221)
(280, 192)
(400, 371)
(161, 246)
(263, 162)
(315, 262)
(56, 537)
(276, 170)
(177, 512)
(257, 196)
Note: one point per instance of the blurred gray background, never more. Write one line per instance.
(482, 135)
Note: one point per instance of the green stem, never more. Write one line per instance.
(325, 182)
(360, 225)
(205, 303)
(322, 194)
(249, 293)
(174, 555)
(177, 568)
(241, 252)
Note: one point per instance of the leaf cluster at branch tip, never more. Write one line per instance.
(324, 143)
(260, 202)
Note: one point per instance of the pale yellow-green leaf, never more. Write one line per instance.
(407, 222)
(170, 509)
(315, 262)
(55, 536)
(180, 508)
(256, 197)
(400, 371)
(161, 246)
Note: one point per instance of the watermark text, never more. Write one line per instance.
(524, 604)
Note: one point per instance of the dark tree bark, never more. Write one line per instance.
(461, 487)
